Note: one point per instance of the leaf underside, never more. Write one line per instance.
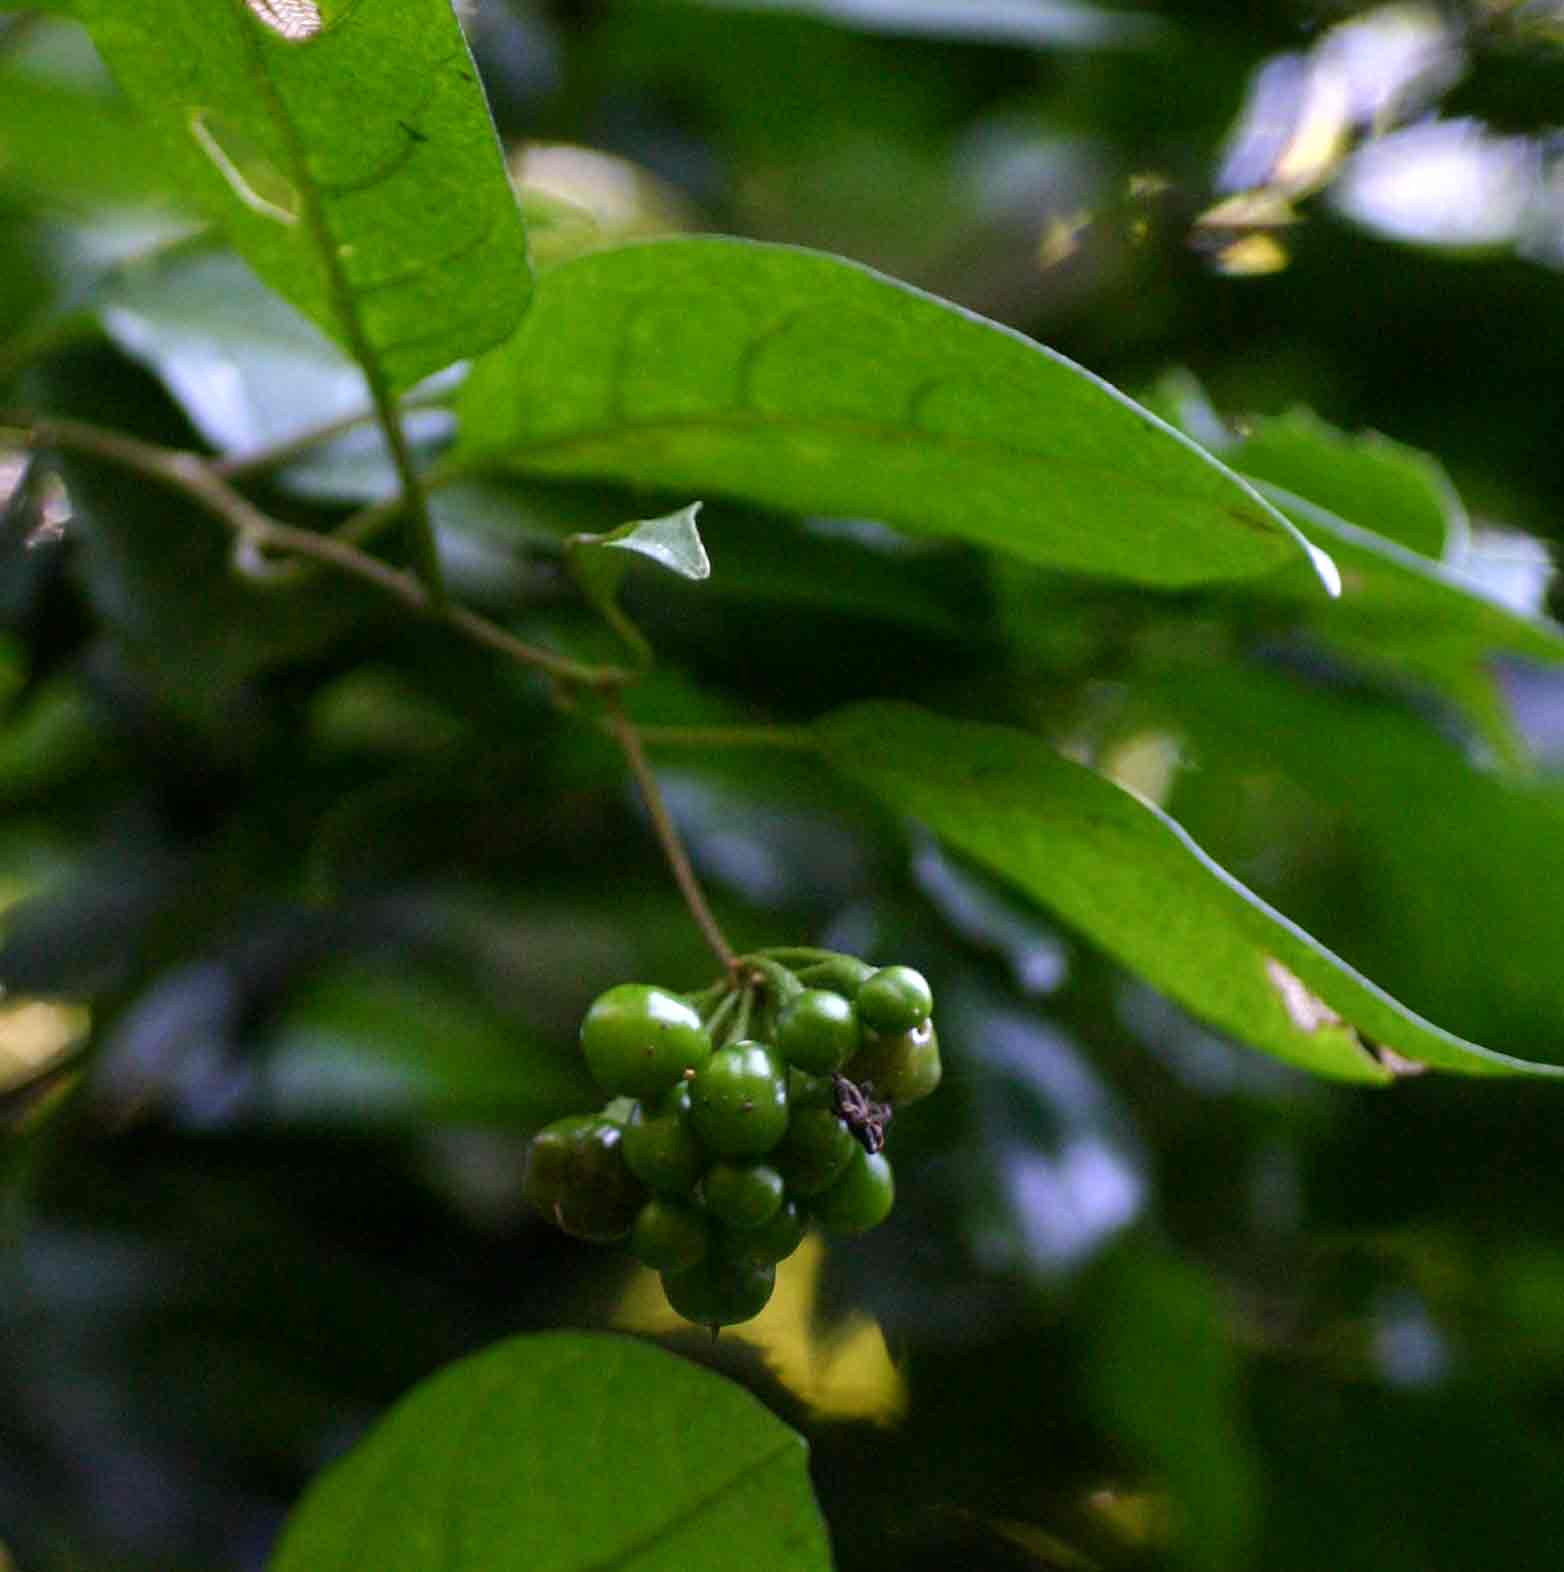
(355, 167)
(809, 383)
(1127, 876)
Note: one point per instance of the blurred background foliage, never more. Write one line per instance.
(304, 902)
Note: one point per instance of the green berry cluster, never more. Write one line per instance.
(737, 1117)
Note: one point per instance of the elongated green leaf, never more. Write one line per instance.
(813, 384)
(1401, 613)
(563, 1453)
(1386, 514)
(1128, 876)
(347, 152)
(1396, 491)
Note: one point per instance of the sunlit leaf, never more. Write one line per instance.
(566, 1453)
(805, 382)
(347, 152)
(1122, 872)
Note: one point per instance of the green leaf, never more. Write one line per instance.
(65, 146)
(348, 154)
(672, 542)
(812, 384)
(1398, 492)
(1460, 908)
(1386, 514)
(249, 371)
(1125, 874)
(564, 1453)
(1401, 613)
(366, 1048)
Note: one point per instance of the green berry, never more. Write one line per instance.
(808, 1091)
(900, 1067)
(894, 999)
(843, 974)
(577, 1175)
(661, 1147)
(720, 1291)
(638, 1040)
(738, 1101)
(773, 1241)
(742, 1195)
(818, 1032)
(861, 1199)
(814, 1152)
(668, 1236)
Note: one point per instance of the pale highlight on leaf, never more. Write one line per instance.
(295, 20)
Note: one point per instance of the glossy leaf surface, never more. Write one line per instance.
(519, 1460)
(809, 383)
(1124, 873)
(349, 158)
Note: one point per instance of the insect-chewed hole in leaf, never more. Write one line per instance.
(253, 177)
(295, 20)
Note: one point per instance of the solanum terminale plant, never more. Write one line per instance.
(429, 455)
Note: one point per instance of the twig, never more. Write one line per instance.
(797, 738)
(277, 455)
(668, 834)
(258, 533)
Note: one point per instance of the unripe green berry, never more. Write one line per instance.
(742, 1195)
(894, 999)
(814, 1152)
(668, 1236)
(773, 1241)
(638, 1040)
(861, 1199)
(661, 1146)
(576, 1175)
(818, 1032)
(900, 1067)
(720, 1291)
(843, 974)
(738, 1101)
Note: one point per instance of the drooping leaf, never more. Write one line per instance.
(1402, 614)
(809, 383)
(564, 1453)
(1459, 906)
(348, 154)
(1381, 485)
(1390, 520)
(1122, 872)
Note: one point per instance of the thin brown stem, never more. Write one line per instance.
(277, 455)
(668, 835)
(258, 533)
(797, 738)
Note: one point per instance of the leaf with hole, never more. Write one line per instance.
(812, 384)
(1125, 874)
(347, 152)
(515, 1461)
